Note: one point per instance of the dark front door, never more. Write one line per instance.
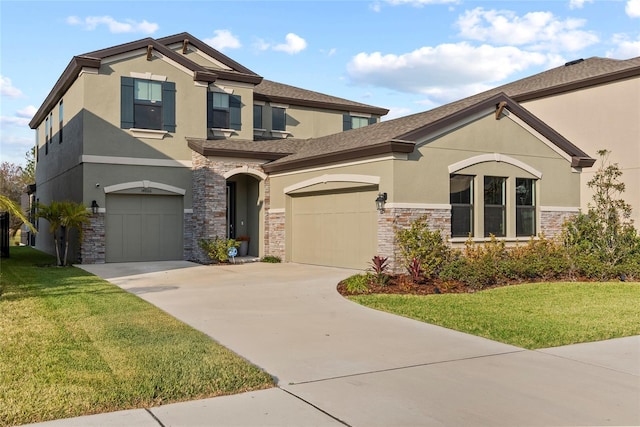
(231, 210)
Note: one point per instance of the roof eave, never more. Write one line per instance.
(387, 147)
(199, 147)
(318, 104)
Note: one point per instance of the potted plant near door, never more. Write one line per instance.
(243, 250)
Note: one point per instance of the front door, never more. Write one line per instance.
(231, 210)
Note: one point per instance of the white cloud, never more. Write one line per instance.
(538, 30)
(447, 70)
(223, 39)
(18, 141)
(578, 4)
(293, 44)
(625, 47)
(633, 8)
(27, 112)
(8, 89)
(90, 23)
(395, 112)
(375, 6)
(21, 118)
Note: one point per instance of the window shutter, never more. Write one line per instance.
(209, 110)
(126, 103)
(346, 122)
(372, 120)
(235, 119)
(169, 106)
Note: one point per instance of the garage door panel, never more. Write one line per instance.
(338, 229)
(143, 228)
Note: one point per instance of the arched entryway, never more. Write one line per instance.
(244, 208)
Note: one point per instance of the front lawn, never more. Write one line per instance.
(531, 316)
(73, 344)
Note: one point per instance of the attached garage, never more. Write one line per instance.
(337, 228)
(143, 228)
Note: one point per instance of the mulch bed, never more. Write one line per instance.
(402, 284)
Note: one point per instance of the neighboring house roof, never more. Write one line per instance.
(397, 135)
(271, 91)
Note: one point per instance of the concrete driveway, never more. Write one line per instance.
(362, 367)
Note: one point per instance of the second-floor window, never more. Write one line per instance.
(224, 111)
(355, 122)
(278, 118)
(60, 119)
(147, 104)
(257, 116)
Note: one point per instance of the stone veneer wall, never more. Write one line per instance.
(551, 222)
(209, 217)
(187, 227)
(274, 243)
(394, 218)
(92, 249)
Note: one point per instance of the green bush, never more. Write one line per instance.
(479, 265)
(271, 258)
(539, 259)
(217, 249)
(358, 283)
(428, 247)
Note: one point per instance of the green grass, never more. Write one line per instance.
(73, 344)
(531, 316)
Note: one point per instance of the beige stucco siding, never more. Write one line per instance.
(338, 177)
(303, 122)
(424, 178)
(103, 135)
(601, 117)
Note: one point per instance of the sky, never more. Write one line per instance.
(404, 55)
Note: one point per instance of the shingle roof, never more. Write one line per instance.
(272, 91)
(408, 129)
(269, 90)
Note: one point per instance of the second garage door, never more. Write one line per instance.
(143, 228)
(335, 229)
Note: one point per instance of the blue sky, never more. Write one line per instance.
(404, 55)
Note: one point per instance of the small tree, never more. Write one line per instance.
(605, 233)
(427, 247)
(64, 216)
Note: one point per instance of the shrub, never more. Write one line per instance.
(271, 258)
(218, 249)
(415, 270)
(479, 265)
(426, 246)
(380, 265)
(539, 259)
(358, 283)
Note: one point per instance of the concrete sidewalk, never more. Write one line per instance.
(339, 363)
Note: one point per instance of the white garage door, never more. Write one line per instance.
(143, 228)
(337, 229)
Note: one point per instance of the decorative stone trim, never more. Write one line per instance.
(187, 230)
(551, 221)
(398, 218)
(275, 234)
(92, 249)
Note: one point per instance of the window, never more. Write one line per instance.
(355, 122)
(147, 104)
(257, 116)
(60, 118)
(278, 118)
(525, 207)
(494, 206)
(223, 111)
(46, 135)
(461, 200)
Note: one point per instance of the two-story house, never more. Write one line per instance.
(175, 142)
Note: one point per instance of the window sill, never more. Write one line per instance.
(148, 133)
(512, 239)
(259, 132)
(280, 134)
(224, 133)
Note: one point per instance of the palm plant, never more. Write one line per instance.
(8, 205)
(52, 213)
(66, 216)
(73, 215)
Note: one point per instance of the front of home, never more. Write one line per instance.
(173, 142)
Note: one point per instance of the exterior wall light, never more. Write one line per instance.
(380, 201)
(94, 207)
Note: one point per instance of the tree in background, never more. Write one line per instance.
(13, 183)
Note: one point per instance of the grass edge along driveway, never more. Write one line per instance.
(73, 344)
(532, 316)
